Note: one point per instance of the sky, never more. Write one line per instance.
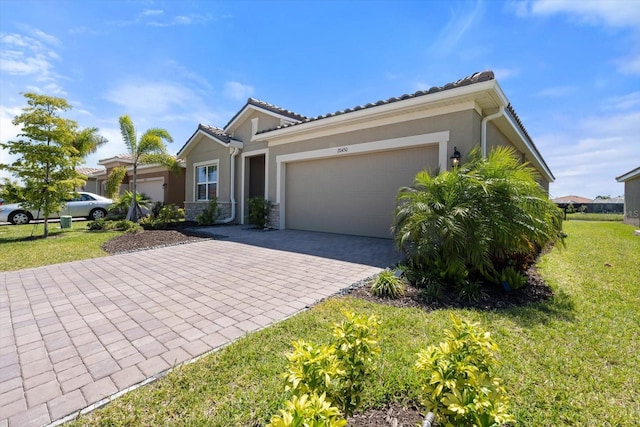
(571, 68)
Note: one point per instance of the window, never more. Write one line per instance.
(206, 182)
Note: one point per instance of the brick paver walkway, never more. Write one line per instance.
(73, 334)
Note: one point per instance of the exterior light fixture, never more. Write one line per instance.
(455, 158)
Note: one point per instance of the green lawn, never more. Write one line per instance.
(594, 217)
(21, 251)
(572, 361)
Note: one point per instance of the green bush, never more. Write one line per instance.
(388, 285)
(121, 204)
(258, 212)
(459, 386)
(120, 225)
(513, 278)
(339, 370)
(98, 225)
(471, 222)
(167, 216)
(210, 214)
(308, 410)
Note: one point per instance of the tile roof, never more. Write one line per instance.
(571, 199)
(215, 132)
(89, 171)
(472, 79)
(266, 106)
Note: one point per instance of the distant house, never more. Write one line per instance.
(154, 180)
(575, 200)
(607, 205)
(92, 181)
(340, 172)
(631, 181)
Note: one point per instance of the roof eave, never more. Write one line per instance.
(489, 86)
(629, 175)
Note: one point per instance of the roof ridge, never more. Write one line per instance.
(275, 108)
(477, 77)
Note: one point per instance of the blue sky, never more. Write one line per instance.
(570, 68)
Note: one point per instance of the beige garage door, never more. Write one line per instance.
(152, 187)
(351, 194)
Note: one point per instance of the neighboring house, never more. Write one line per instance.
(631, 181)
(92, 181)
(606, 205)
(575, 200)
(340, 172)
(153, 180)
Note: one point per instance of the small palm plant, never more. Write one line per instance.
(472, 221)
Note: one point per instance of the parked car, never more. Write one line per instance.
(84, 204)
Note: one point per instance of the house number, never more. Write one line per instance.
(343, 149)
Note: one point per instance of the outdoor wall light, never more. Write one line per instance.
(455, 158)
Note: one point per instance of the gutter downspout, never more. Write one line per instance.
(483, 136)
(232, 183)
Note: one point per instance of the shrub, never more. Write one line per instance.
(97, 225)
(258, 212)
(209, 215)
(308, 410)
(513, 278)
(388, 285)
(167, 216)
(459, 386)
(125, 225)
(122, 203)
(339, 370)
(469, 222)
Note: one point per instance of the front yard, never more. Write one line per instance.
(572, 360)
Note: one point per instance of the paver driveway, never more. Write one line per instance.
(76, 333)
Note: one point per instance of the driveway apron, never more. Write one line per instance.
(75, 334)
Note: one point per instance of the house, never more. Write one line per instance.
(92, 181)
(574, 200)
(631, 181)
(340, 172)
(154, 180)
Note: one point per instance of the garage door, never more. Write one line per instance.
(152, 187)
(351, 194)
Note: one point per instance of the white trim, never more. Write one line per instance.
(629, 175)
(187, 147)
(257, 108)
(440, 138)
(350, 122)
(243, 157)
(532, 151)
(195, 177)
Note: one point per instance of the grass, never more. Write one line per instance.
(594, 217)
(567, 362)
(23, 251)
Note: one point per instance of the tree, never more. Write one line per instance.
(150, 148)
(49, 149)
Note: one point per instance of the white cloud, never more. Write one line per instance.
(623, 102)
(152, 12)
(458, 25)
(236, 90)
(505, 73)
(613, 13)
(26, 56)
(587, 157)
(151, 98)
(630, 65)
(556, 92)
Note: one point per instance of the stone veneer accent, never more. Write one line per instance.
(192, 209)
(273, 216)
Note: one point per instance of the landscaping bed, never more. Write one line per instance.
(147, 239)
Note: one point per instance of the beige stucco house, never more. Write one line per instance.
(154, 180)
(631, 181)
(340, 172)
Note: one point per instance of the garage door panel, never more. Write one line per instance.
(351, 194)
(153, 189)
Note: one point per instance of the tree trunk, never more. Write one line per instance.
(132, 215)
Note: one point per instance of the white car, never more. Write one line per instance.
(86, 205)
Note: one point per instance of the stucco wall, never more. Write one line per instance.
(206, 150)
(632, 201)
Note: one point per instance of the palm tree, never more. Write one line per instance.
(87, 141)
(150, 148)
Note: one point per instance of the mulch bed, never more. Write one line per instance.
(147, 239)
